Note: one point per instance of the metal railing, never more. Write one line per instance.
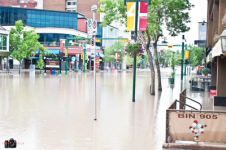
(193, 101)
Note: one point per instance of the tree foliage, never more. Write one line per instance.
(40, 62)
(130, 60)
(23, 43)
(196, 55)
(109, 53)
(171, 13)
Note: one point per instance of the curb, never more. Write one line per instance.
(193, 146)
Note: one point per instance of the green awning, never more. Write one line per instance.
(4, 53)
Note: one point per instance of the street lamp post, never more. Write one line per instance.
(135, 38)
(182, 57)
(185, 63)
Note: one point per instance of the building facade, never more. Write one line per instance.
(19, 3)
(52, 26)
(4, 47)
(81, 6)
(216, 15)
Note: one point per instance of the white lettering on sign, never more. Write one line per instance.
(131, 11)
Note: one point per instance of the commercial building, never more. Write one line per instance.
(19, 3)
(4, 46)
(53, 28)
(81, 6)
(216, 15)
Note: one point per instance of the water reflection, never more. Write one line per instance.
(57, 112)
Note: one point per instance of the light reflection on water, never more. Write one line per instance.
(57, 112)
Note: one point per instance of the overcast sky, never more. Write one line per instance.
(197, 14)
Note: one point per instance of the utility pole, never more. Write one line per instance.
(84, 65)
(66, 56)
(185, 64)
(182, 63)
(94, 9)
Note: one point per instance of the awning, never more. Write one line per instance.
(54, 51)
(37, 52)
(217, 49)
(99, 54)
(4, 53)
(209, 57)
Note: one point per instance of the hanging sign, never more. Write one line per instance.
(116, 55)
(143, 16)
(131, 16)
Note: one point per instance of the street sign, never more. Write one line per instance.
(94, 8)
(90, 27)
(94, 25)
(93, 43)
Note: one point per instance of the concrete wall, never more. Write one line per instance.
(40, 4)
(81, 25)
(214, 73)
(215, 21)
(222, 7)
(221, 74)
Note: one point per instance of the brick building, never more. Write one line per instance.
(19, 3)
(81, 6)
(216, 15)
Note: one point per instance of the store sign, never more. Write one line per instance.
(52, 64)
(208, 127)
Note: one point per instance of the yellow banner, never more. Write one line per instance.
(116, 55)
(130, 16)
(186, 55)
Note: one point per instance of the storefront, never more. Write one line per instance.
(4, 48)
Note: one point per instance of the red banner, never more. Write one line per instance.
(118, 55)
(143, 16)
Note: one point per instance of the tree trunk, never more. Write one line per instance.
(157, 67)
(19, 67)
(147, 43)
(152, 87)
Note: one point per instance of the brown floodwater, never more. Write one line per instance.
(57, 112)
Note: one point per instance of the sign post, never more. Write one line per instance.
(84, 66)
(93, 44)
(132, 25)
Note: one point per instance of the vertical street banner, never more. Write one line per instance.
(142, 23)
(131, 16)
(202, 34)
(116, 55)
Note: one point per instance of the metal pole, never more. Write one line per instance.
(134, 63)
(185, 64)
(182, 57)
(66, 55)
(84, 65)
(94, 37)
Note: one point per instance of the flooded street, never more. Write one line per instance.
(57, 112)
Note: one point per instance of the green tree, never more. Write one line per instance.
(145, 60)
(130, 60)
(109, 53)
(171, 13)
(196, 55)
(40, 62)
(23, 43)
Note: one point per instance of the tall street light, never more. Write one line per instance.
(182, 63)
